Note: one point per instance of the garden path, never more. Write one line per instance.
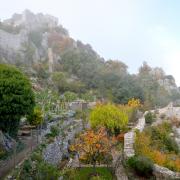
(118, 166)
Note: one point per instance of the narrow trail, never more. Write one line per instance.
(117, 164)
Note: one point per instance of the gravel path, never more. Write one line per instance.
(117, 163)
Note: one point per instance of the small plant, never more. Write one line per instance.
(163, 116)
(55, 131)
(149, 118)
(36, 118)
(3, 153)
(171, 145)
(36, 156)
(142, 165)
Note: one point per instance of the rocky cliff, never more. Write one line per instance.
(25, 38)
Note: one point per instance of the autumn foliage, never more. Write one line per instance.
(134, 103)
(94, 147)
(156, 144)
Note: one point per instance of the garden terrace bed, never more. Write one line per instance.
(88, 173)
(157, 144)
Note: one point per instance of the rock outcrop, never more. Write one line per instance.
(30, 43)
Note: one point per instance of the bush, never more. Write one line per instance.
(149, 118)
(162, 116)
(142, 165)
(36, 118)
(55, 131)
(171, 145)
(36, 156)
(47, 171)
(110, 116)
(38, 170)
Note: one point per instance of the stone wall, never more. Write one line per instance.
(159, 171)
(55, 151)
(164, 173)
(130, 137)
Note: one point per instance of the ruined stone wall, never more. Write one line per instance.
(130, 137)
(159, 171)
(164, 173)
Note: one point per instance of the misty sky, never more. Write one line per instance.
(132, 31)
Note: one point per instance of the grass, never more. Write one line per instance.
(86, 172)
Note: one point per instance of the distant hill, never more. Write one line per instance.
(39, 45)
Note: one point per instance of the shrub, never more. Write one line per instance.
(120, 137)
(3, 153)
(109, 116)
(36, 156)
(142, 165)
(36, 118)
(171, 145)
(163, 116)
(38, 170)
(149, 118)
(47, 171)
(55, 131)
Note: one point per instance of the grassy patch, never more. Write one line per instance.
(85, 173)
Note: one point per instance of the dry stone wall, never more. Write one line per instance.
(159, 171)
(130, 137)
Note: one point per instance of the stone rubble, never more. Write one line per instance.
(57, 150)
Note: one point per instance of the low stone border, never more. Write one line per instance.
(159, 171)
(130, 137)
(164, 173)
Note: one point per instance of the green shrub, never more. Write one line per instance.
(36, 156)
(171, 144)
(47, 171)
(149, 118)
(36, 118)
(162, 116)
(3, 153)
(142, 165)
(39, 170)
(55, 131)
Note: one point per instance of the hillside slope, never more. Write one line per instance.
(42, 48)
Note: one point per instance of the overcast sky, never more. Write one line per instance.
(132, 31)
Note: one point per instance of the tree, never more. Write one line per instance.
(93, 147)
(70, 96)
(110, 116)
(60, 81)
(16, 98)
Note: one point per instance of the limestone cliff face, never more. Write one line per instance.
(32, 21)
(11, 45)
(169, 83)
(30, 43)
